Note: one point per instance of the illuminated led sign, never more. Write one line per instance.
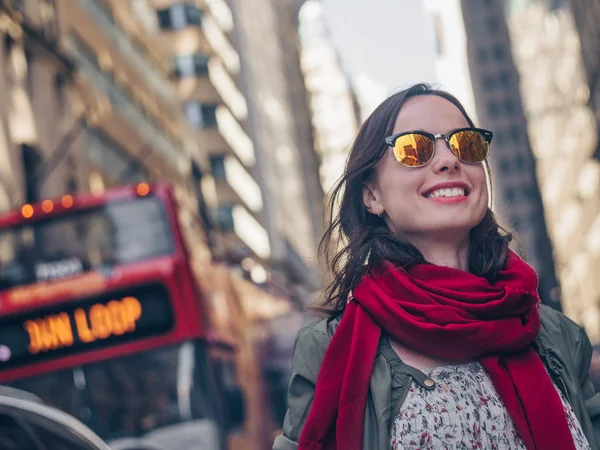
(78, 326)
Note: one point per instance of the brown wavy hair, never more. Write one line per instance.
(356, 240)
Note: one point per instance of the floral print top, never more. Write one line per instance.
(463, 411)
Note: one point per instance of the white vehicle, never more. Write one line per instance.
(28, 424)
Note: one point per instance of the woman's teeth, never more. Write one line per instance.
(447, 192)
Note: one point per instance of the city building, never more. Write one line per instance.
(586, 15)
(107, 92)
(484, 47)
(91, 103)
(564, 136)
(205, 70)
(282, 128)
(526, 65)
(451, 62)
(236, 70)
(34, 71)
(585, 285)
(335, 112)
(500, 107)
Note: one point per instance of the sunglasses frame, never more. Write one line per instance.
(487, 135)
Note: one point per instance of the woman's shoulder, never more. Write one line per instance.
(311, 345)
(563, 335)
(556, 323)
(322, 328)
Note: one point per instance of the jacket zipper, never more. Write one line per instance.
(564, 389)
(399, 404)
(562, 385)
(558, 378)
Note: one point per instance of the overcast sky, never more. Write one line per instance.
(390, 41)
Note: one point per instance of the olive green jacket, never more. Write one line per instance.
(562, 345)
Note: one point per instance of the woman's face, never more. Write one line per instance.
(403, 194)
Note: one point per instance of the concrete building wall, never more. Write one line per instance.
(333, 107)
(564, 138)
(500, 107)
(278, 123)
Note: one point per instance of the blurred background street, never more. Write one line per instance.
(164, 168)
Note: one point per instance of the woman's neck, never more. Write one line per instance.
(446, 253)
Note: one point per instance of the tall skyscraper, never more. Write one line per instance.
(494, 78)
(280, 125)
(536, 60)
(560, 100)
(334, 107)
(238, 75)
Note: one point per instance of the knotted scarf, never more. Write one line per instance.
(441, 312)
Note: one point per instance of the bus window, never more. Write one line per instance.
(121, 232)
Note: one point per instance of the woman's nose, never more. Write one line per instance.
(444, 160)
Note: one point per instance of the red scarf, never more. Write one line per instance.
(441, 312)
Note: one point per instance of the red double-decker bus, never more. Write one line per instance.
(108, 313)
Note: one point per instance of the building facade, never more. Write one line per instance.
(497, 97)
(527, 68)
(243, 92)
(335, 112)
(281, 127)
(107, 92)
(560, 107)
(92, 105)
(34, 72)
(451, 61)
(586, 14)
(205, 69)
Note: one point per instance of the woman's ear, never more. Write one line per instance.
(371, 199)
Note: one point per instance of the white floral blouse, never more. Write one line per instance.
(463, 411)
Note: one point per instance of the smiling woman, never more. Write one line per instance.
(434, 335)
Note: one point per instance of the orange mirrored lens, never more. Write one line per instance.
(413, 149)
(469, 146)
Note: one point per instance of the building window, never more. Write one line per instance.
(203, 209)
(499, 52)
(179, 16)
(509, 194)
(217, 165)
(509, 106)
(482, 55)
(535, 220)
(224, 217)
(32, 165)
(505, 165)
(488, 81)
(498, 137)
(493, 25)
(515, 132)
(201, 116)
(493, 109)
(191, 65)
(521, 161)
(531, 193)
(60, 93)
(504, 79)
